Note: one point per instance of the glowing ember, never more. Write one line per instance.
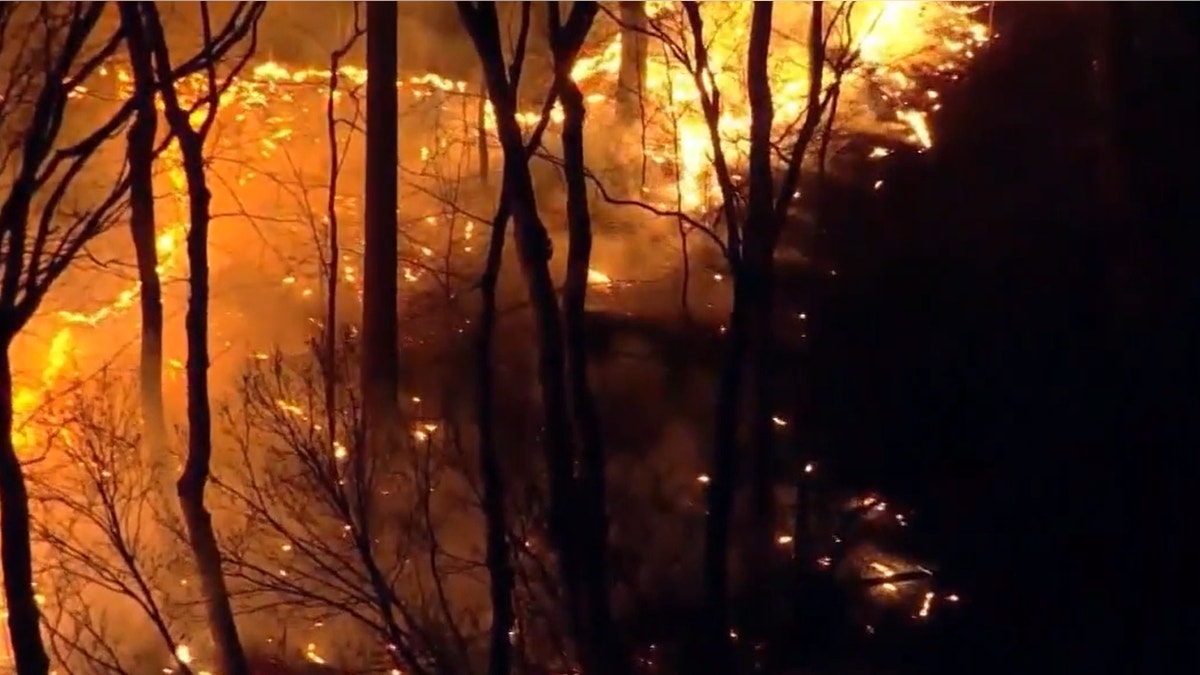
(886, 572)
(598, 278)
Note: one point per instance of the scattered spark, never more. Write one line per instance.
(926, 605)
(310, 653)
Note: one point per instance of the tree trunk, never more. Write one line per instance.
(333, 264)
(605, 654)
(533, 250)
(381, 345)
(723, 483)
(567, 515)
(16, 551)
(499, 564)
(751, 300)
(143, 231)
(631, 77)
(194, 480)
(767, 212)
(142, 227)
(481, 138)
(758, 272)
(230, 656)
(759, 547)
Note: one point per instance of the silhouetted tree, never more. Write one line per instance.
(241, 23)
(94, 497)
(332, 264)
(356, 538)
(48, 50)
(576, 501)
(381, 340)
(498, 556)
(143, 230)
(592, 534)
(751, 236)
(494, 491)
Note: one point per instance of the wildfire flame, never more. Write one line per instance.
(887, 35)
(891, 39)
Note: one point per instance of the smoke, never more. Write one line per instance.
(305, 33)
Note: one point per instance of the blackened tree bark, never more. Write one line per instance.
(750, 249)
(24, 618)
(498, 557)
(481, 134)
(495, 501)
(381, 340)
(569, 513)
(717, 650)
(197, 466)
(757, 281)
(533, 250)
(59, 48)
(607, 655)
(140, 155)
(768, 212)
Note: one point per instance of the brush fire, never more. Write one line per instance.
(272, 205)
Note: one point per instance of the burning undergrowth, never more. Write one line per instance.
(268, 159)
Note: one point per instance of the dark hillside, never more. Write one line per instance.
(1011, 345)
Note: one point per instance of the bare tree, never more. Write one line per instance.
(592, 536)
(47, 51)
(749, 247)
(750, 216)
(381, 338)
(333, 262)
(242, 22)
(500, 564)
(533, 249)
(498, 556)
(576, 513)
(96, 517)
(140, 155)
(338, 546)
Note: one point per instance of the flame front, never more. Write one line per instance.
(892, 40)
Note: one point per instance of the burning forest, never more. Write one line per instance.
(463, 337)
